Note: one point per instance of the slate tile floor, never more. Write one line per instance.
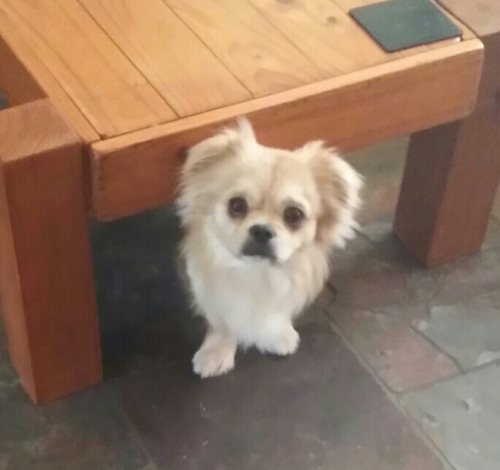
(398, 367)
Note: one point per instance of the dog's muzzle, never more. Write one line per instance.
(259, 243)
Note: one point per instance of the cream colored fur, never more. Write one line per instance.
(247, 300)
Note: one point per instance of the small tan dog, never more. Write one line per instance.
(260, 225)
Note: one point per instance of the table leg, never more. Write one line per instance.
(451, 177)
(46, 277)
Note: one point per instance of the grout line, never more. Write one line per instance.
(463, 373)
(438, 348)
(127, 421)
(394, 399)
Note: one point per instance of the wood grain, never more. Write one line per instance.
(324, 33)
(180, 67)
(16, 83)
(255, 52)
(23, 57)
(94, 73)
(46, 278)
(138, 171)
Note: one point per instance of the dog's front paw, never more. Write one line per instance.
(285, 343)
(213, 361)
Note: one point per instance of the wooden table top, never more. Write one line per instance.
(142, 80)
(117, 66)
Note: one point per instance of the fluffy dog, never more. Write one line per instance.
(260, 225)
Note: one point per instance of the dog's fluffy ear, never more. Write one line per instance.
(226, 142)
(229, 143)
(339, 187)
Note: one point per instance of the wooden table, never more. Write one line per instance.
(107, 94)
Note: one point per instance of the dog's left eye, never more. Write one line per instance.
(293, 216)
(237, 207)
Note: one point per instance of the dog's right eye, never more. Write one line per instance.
(293, 217)
(237, 207)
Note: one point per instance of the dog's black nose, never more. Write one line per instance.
(261, 233)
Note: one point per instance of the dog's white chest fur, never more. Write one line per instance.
(253, 301)
(244, 298)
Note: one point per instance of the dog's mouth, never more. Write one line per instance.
(258, 250)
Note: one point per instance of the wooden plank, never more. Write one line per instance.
(483, 16)
(16, 83)
(255, 52)
(46, 278)
(349, 111)
(22, 57)
(94, 73)
(327, 35)
(180, 67)
(324, 33)
(349, 4)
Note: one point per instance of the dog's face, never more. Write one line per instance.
(267, 210)
(264, 204)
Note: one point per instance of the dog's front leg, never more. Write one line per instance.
(216, 354)
(276, 335)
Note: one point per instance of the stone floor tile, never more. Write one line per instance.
(135, 269)
(150, 466)
(383, 167)
(379, 229)
(365, 279)
(469, 330)
(141, 298)
(316, 410)
(131, 348)
(378, 274)
(378, 293)
(325, 298)
(468, 277)
(462, 417)
(86, 431)
(402, 358)
(421, 287)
